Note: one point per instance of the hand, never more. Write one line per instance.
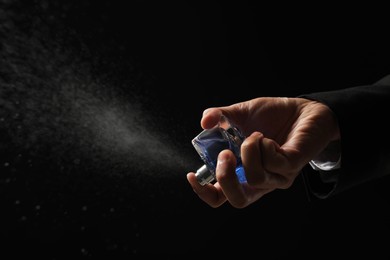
(282, 136)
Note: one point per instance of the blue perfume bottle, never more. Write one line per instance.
(210, 142)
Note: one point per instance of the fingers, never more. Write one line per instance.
(266, 167)
(227, 186)
(210, 117)
(277, 164)
(209, 193)
(238, 194)
(227, 179)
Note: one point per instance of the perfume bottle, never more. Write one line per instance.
(210, 142)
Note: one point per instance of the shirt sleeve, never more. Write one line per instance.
(363, 148)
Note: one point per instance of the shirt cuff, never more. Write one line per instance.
(329, 159)
(325, 166)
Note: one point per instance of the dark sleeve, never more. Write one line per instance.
(363, 115)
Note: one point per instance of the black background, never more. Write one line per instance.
(160, 65)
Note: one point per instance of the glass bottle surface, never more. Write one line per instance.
(210, 142)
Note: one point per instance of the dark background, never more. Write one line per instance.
(99, 102)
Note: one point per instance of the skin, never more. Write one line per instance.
(282, 136)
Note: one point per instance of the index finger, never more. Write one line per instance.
(212, 194)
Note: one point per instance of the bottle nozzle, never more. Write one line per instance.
(203, 175)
